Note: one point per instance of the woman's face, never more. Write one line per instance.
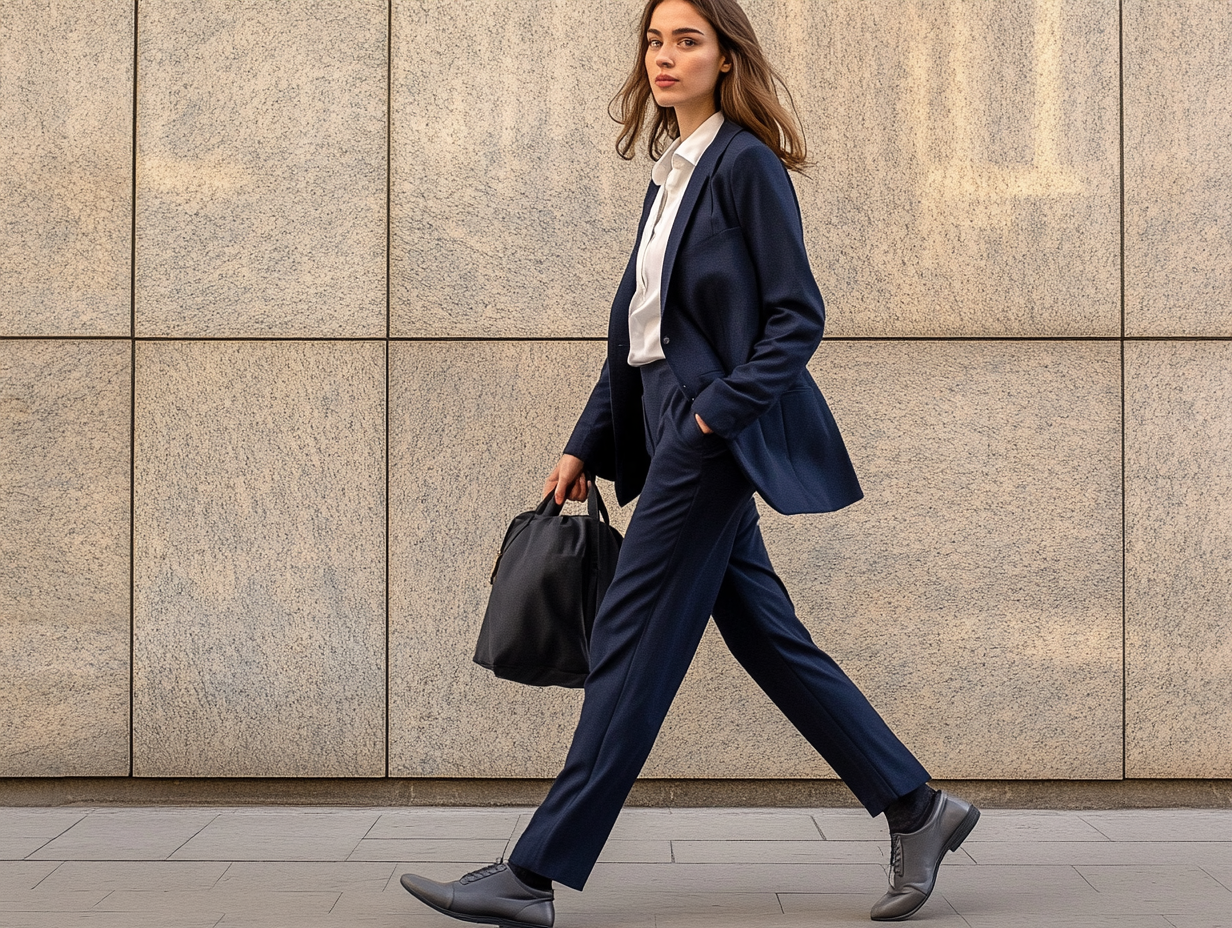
(683, 60)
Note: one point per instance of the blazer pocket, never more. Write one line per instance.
(709, 240)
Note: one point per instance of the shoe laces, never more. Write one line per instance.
(896, 854)
(484, 872)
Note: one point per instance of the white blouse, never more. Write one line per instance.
(672, 173)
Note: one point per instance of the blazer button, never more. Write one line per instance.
(667, 341)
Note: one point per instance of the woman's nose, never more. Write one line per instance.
(663, 59)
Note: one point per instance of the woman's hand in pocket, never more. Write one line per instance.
(567, 480)
(701, 424)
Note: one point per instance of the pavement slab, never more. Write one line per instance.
(279, 835)
(662, 868)
(25, 874)
(112, 875)
(138, 834)
(299, 875)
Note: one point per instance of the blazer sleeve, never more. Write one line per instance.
(593, 439)
(792, 311)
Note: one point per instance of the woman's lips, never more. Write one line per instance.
(664, 81)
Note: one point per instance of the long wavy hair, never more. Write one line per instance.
(748, 94)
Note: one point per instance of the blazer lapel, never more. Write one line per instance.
(649, 202)
(701, 174)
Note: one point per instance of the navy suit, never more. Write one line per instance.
(741, 317)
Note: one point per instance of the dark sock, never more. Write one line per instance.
(531, 878)
(910, 812)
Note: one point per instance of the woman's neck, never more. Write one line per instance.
(689, 121)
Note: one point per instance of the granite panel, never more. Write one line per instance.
(966, 178)
(975, 594)
(506, 189)
(64, 557)
(1178, 550)
(66, 128)
(1178, 168)
(262, 168)
(967, 162)
(260, 559)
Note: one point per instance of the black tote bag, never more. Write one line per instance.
(547, 584)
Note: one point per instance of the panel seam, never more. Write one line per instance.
(601, 339)
(1124, 469)
(132, 416)
(389, 86)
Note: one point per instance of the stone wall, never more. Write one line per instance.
(298, 302)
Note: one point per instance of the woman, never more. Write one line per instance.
(705, 399)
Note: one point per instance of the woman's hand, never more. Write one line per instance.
(706, 430)
(567, 480)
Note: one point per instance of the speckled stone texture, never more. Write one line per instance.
(1178, 168)
(64, 557)
(260, 559)
(980, 577)
(966, 179)
(475, 427)
(261, 168)
(967, 162)
(1178, 494)
(511, 213)
(66, 127)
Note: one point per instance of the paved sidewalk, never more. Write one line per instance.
(691, 868)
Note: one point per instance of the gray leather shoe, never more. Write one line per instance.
(490, 896)
(916, 855)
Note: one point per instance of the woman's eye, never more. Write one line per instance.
(688, 43)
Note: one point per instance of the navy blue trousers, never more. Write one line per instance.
(694, 549)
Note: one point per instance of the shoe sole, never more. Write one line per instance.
(499, 923)
(956, 840)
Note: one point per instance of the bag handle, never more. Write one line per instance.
(595, 507)
(548, 506)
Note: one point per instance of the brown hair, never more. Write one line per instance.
(746, 94)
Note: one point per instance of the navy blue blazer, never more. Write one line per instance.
(741, 317)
